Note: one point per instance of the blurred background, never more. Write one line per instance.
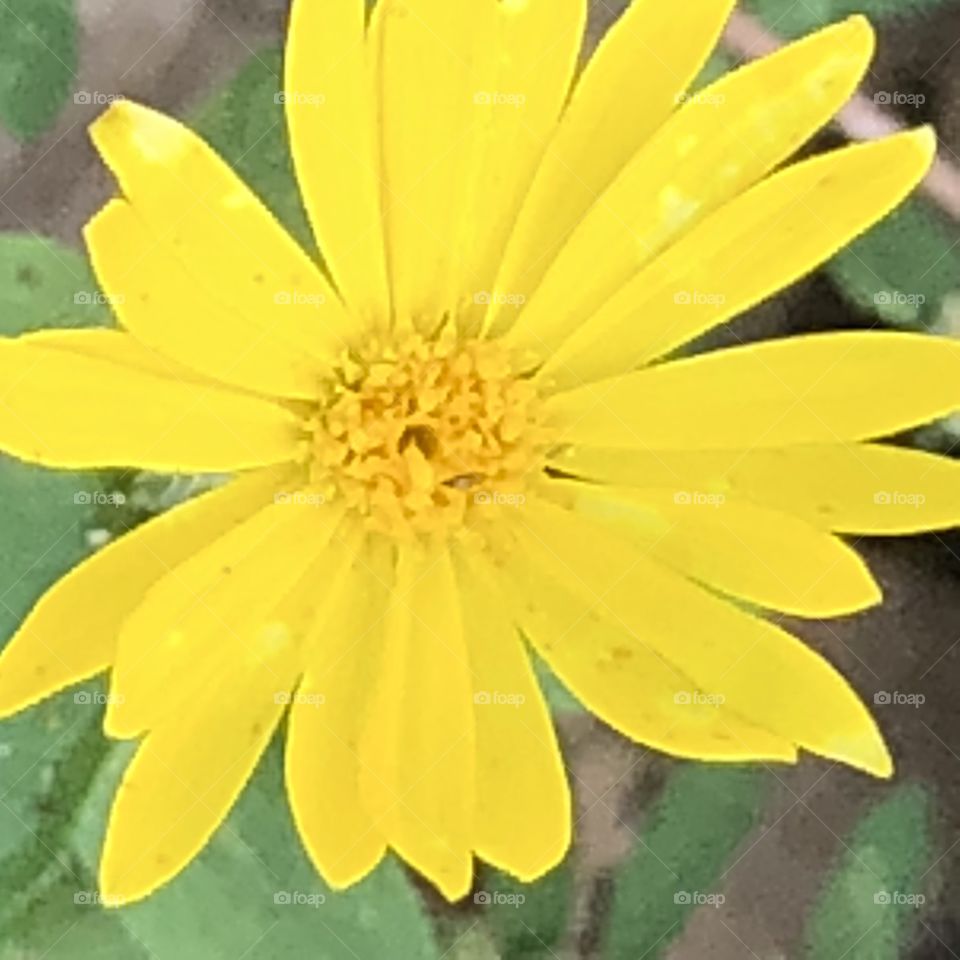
(672, 860)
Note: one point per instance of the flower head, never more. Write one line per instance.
(469, 432)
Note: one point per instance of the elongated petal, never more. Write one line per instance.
(716, 146)
(762, 673)
(230, 244)
(539, 44)
(646, 60)
(187, 774)
(223, 598)
(71, 633)
(322, 755)
(817, 389)
(622, 677)
(418, 746)
(434, 58)
(855, 488)
(157, 300)
(64, 409)
(116, 347)
(330, 112)
(523, 800)
(756, 554)
(752, 247)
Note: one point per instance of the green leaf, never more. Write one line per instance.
(45, 284)
(792, 20)
(903, 269)
(253, 892)
(702, 817)
(38, 63)
(869, 907)
(528, 920)
(246, 124)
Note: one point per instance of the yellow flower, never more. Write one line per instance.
(464, 431)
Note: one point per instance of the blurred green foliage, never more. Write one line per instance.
(38, 63)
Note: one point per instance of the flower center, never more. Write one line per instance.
(417, 433)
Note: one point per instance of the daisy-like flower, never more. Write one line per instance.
(467, 432)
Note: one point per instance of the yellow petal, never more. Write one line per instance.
(817, 389)
(418, 746)
(115, 347)
(64, 409)
(158, 301)
(223, 598)
(867, 489)
(715, 147)
(330, 114)
(762, 673)
(539, 44)
(322, 754)
(749, 249)
(71, 633)
(434, 58)
(620, 676)
(186, 775)
(759, 555)
(223, 235)
(646, 60)
(523, 799)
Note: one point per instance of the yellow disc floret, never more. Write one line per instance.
(416, 432)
